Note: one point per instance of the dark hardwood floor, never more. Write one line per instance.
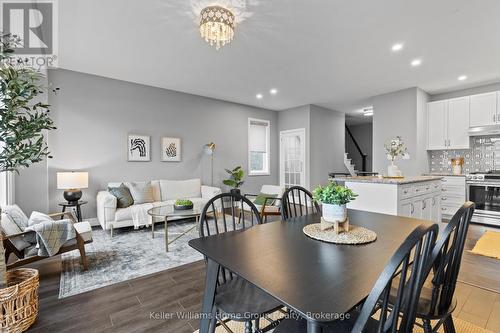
(132, 306)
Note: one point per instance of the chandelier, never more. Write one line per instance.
(217, 25)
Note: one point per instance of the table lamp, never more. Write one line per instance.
(71, 183)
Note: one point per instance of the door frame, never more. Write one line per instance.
(302, 133)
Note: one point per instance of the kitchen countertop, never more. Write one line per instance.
(393, 181)
(443, 174)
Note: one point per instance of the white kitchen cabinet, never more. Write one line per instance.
(448, 124)
(453, 195)
(437, 125)
(483, 109)
(458, 123)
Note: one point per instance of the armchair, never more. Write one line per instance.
(271, 205)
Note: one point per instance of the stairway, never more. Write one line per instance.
(349, 165)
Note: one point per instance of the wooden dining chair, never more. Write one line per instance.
(407, 266)
(297, 201)
(235, 298)
(437, 302)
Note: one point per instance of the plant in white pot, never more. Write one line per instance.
(395, 148)
(334, 198)
(23, 119)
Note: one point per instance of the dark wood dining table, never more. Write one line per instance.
(320, 281)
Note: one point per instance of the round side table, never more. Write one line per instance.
(74, 204)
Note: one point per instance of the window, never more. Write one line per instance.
(258, 146)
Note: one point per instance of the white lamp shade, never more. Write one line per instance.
(72, 180)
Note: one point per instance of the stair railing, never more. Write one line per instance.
(358, 148)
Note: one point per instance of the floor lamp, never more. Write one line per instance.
(209, 149)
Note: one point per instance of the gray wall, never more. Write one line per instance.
(466, 92)
(327, 143)
(363, 134)
(95, 114)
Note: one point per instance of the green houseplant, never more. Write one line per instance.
(183, 204)
(334, 199)
(23, 119)
(235, 179)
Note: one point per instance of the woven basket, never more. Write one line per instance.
(19, 301)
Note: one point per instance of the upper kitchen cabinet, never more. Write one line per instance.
(448, 124)
(483, 110)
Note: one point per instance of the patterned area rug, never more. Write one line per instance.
(461, 326)
(127, 255)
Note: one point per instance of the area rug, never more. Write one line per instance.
(461, 326)
(127, 255)
(488, 245)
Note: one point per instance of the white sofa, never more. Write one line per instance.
(164, 192)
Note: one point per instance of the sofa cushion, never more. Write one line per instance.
(123, 196)
(180, 189)
(142, 192)
(16, 215)
(11, 228)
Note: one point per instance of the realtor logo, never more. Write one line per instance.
(35, 23)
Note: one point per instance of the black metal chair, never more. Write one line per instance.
(407, 266)
(297, 201)
(235, 298)
(437, 301)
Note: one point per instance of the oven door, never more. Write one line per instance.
(486, 196)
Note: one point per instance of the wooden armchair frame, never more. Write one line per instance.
(22, 260)
(263, 213)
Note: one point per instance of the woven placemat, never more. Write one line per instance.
(355, 235)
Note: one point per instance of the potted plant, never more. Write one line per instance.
(183, 204)
(395, 148)
(235, 180)
(334, 198)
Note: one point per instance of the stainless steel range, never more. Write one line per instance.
(483, 188)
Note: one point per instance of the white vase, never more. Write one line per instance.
(393, 170)
(333, 213)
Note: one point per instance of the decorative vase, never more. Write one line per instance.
(393, 170)
(334, 213)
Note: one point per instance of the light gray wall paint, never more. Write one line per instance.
(327, 143)
(395, 114)
(95, 114)
(421, 155)
(363, 134)
(466, 92)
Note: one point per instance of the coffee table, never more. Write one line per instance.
(167, 211)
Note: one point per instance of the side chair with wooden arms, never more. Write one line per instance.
(271, 204)
(235, 299)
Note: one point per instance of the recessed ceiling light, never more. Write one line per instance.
(273, 91)
(397, 47)
(416, 62)
(462, 78)
(259, 96)
(368, 111)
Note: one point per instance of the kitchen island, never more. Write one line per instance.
(418, 197)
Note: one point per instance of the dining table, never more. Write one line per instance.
(317, 280)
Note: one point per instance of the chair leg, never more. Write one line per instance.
(427, 326)
(111, 231)
(248, 326)
(83, 256)
(449, 327)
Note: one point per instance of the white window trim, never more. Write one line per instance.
(268, 147)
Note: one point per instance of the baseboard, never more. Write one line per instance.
(94, 222)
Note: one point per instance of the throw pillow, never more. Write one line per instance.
(123, 196)
(17, 215)
(10, 228)
(259, 200)
(141, 192)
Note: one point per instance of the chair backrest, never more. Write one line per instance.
(297, 201)
(446, 258)
(233, 218)
(407, 269)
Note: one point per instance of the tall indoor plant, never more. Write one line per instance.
(235, 179)
(23, 119)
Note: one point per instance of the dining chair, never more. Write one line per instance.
(436, 301)
(407, 266)
(235, 298)
(297, 201)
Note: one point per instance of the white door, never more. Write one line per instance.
(436, 125)
(293, 158)
(458, 123)
(483, 109)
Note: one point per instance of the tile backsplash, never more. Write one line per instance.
(484, 155)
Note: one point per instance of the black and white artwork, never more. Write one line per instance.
(171, 149)
(139, 148)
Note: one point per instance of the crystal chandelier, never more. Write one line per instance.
(217, 25)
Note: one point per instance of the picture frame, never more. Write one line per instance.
(138, 148)
(171, 150)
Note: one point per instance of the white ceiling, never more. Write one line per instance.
(334, 53)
